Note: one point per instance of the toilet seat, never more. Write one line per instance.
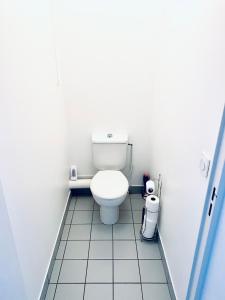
(109, 184)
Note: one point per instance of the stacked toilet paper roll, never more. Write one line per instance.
(152, 203)
(150, 187)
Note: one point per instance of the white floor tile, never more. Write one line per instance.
(100, 250)
(98, 292)
(126, 204)
(155, 291)
(137, 228)
(69, 292)
(123, 232)
(76, 250)
(99, 271)
(128, 292)
(125, 216)
(152, 271)
(84, 203)
(137, 215)
(126, 271)
(125, 250)
(137, 203)
(82, 217)
(148, 250)
(96, 206)
(96, 217)
(80, 232)
(101, 232)
(73, 271)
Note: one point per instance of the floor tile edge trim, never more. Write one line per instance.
(166, 269)
(51, 265)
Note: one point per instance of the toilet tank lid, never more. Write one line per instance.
(109, 137)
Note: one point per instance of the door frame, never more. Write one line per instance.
(200, 279)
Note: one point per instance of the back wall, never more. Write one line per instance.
(104, 53)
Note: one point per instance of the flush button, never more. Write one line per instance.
(109, 135)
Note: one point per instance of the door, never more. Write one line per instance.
(208, 212)
(211, 279)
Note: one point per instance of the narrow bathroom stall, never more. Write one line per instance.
(152, 69)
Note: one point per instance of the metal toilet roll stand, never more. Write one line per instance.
(158, 182)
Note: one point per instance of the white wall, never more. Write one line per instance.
(9, 263)
(33, 154)
(105, 54)
(189, 95)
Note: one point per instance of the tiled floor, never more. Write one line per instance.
(104, 262)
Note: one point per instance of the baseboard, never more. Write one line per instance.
(81, 192)
(51, 264)
(134, 189)
(166, 269)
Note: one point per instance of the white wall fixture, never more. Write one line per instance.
(73, 173)
(204, 165)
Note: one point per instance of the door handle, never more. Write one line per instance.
(210, 209)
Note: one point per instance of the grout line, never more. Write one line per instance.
(89, 246)
(157, 259)
(137, 253)
(109, 283)
(112, 265)
(63, 252)
(82, 210)
(138, 239)
(101, 240)
(121, 209)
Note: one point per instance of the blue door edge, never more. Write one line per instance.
(211, 236)
(206, 205)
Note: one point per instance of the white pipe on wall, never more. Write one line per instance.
(79, 183)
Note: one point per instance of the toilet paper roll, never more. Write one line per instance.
(150, 187)
(152, 203)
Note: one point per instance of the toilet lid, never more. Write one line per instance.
(109, 184)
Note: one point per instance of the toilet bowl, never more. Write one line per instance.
(109, 189)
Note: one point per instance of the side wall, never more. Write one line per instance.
(33, 154)
(189, 95)
(12, 285)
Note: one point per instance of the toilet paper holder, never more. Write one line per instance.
(154, 237)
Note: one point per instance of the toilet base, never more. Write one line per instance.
(109, 214)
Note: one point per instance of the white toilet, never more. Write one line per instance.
(109, 186)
